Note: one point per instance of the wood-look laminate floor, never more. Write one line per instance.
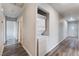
(68, 47)
(14, 50)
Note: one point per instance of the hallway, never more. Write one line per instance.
(14, 50)
(68, 47)
(39, 28)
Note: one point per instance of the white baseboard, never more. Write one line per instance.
(46, 52)
(26, 50)
(54, 46)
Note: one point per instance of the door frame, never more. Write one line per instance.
(5, 42)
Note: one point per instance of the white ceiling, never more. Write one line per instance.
(67, 9)
(11, 10)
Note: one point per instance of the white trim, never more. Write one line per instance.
(26, 50)
(54, 46)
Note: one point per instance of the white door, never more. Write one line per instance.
(11, 32)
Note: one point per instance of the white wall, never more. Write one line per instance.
(29, 17)
(63, 26)
(20, 29)
(2, 34)
(53, 37)
(65, 29)
(2, 31)
(78, 30)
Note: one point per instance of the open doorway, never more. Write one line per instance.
(11, 31)
(73, 29)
